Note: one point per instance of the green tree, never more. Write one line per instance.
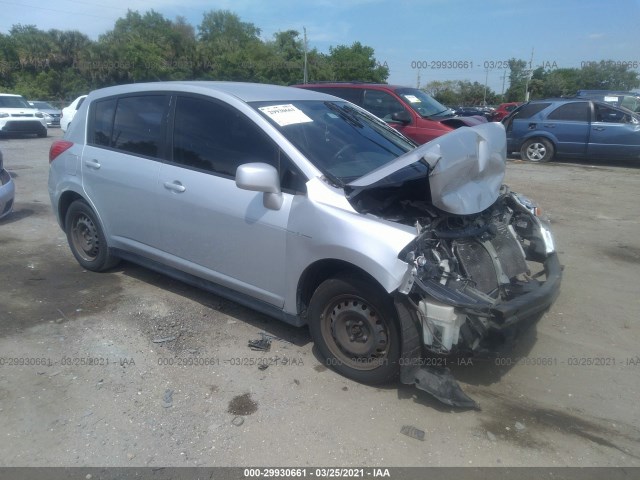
(147, 46)
(460, 93)
(231, 49)
(608, 75)
(284, 62)
(9, 61)
(518, 76)
(356, 62)
(142, 48)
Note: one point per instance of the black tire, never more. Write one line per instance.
(86, 238)
(537, 150)
(354, 325)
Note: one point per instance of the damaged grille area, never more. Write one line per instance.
(509, 251)
(476, 263)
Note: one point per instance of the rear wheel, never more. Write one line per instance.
(354, 326)
(86, 238)
(537, 150)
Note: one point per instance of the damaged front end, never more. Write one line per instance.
(483, 261)
(472, 282)
(469, 277)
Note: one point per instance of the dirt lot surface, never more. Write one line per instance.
(131, 368)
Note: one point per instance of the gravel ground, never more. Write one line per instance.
(130, 368)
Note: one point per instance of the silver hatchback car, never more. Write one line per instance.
(306, 207)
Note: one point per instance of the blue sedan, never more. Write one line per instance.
(575, 127)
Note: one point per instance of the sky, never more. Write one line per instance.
(419, 40)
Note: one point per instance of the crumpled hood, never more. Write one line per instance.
(466, 169)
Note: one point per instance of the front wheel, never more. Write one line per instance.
(86, 238)
(354, 326)
(537, 150)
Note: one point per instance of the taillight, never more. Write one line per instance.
(57, 148)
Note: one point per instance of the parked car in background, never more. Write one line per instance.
(313, 211)
(51, 113)
(18, 117)
(7, 190)
(483, 112)
(69, 112)
(575, 127)
(412, 112)
(503, 110)
(630, 100)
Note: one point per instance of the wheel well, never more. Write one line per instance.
(66, 199)
(320, 271)
(540, 137)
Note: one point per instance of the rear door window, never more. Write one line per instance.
(103, 122)
(529, 110)
(133, 124)
(137, 126)
(574, 111)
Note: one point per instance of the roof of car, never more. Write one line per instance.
(9, 95)
(247, 92)
(554, 100)
(350, 84)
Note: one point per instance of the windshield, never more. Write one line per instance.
(422, 103)
(343, 142)
(13, 102)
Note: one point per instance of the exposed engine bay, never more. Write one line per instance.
(466, 279)
(483, 259)
(462, 268)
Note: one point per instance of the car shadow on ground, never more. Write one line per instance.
(480, 371)
(298, 336)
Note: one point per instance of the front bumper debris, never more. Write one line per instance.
(439, 383)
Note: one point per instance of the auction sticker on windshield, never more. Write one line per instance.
(285, 115)
(412, 98)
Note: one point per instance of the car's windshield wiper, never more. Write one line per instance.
(345, 114)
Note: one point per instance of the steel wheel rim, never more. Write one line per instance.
(355, 332)
(536, 151)
(84, 236)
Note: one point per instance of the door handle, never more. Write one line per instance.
(93, 163)
(175, 186)
(599, 129)
(549, 125)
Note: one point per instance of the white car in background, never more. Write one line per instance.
(69, 112)
(18, 117)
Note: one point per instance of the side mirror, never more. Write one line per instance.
(261, 177)
(401, 117)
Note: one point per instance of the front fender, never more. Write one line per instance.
(320, 231)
